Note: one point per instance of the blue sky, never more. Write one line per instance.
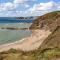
(11, 8)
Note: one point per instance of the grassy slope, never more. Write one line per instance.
(49, 50)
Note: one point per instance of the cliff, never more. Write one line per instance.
(47, 21)
(49, 49)
(50, 21)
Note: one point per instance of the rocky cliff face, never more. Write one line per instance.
(53, 40)
(50, 21)
(47, 21)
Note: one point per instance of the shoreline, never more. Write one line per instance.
(7, 44)
(29, 43)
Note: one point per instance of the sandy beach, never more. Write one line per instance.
(29, 43)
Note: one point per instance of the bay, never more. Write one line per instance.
(9, 36)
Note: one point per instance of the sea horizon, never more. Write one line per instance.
(9, 36)
(14, 20)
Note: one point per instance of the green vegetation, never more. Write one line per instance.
(45, 54)
(50, 53)
(50, 48)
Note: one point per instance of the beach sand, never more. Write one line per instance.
(29, 43)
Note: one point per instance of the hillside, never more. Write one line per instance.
(49, 49)
(47, 21)
(53, 40)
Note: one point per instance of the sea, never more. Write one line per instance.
(9, 36)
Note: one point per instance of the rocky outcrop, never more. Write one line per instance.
(47, 21)
(50, 21)
(14, 28)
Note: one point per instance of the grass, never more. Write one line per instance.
(42, 54)
(50, 53)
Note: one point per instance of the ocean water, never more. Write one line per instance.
(9, 36)
(13, 20)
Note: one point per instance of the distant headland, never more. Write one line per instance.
(26, 18)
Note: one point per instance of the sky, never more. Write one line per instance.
(17, 8)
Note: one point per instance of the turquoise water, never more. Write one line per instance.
(17, 25)
(8, 36)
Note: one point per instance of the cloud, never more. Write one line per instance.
(26, 5)
(58, 7)
(22, 1)
(19, 1)
(14, 8)
(7, 6)
(42, 8)
(13, 5)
